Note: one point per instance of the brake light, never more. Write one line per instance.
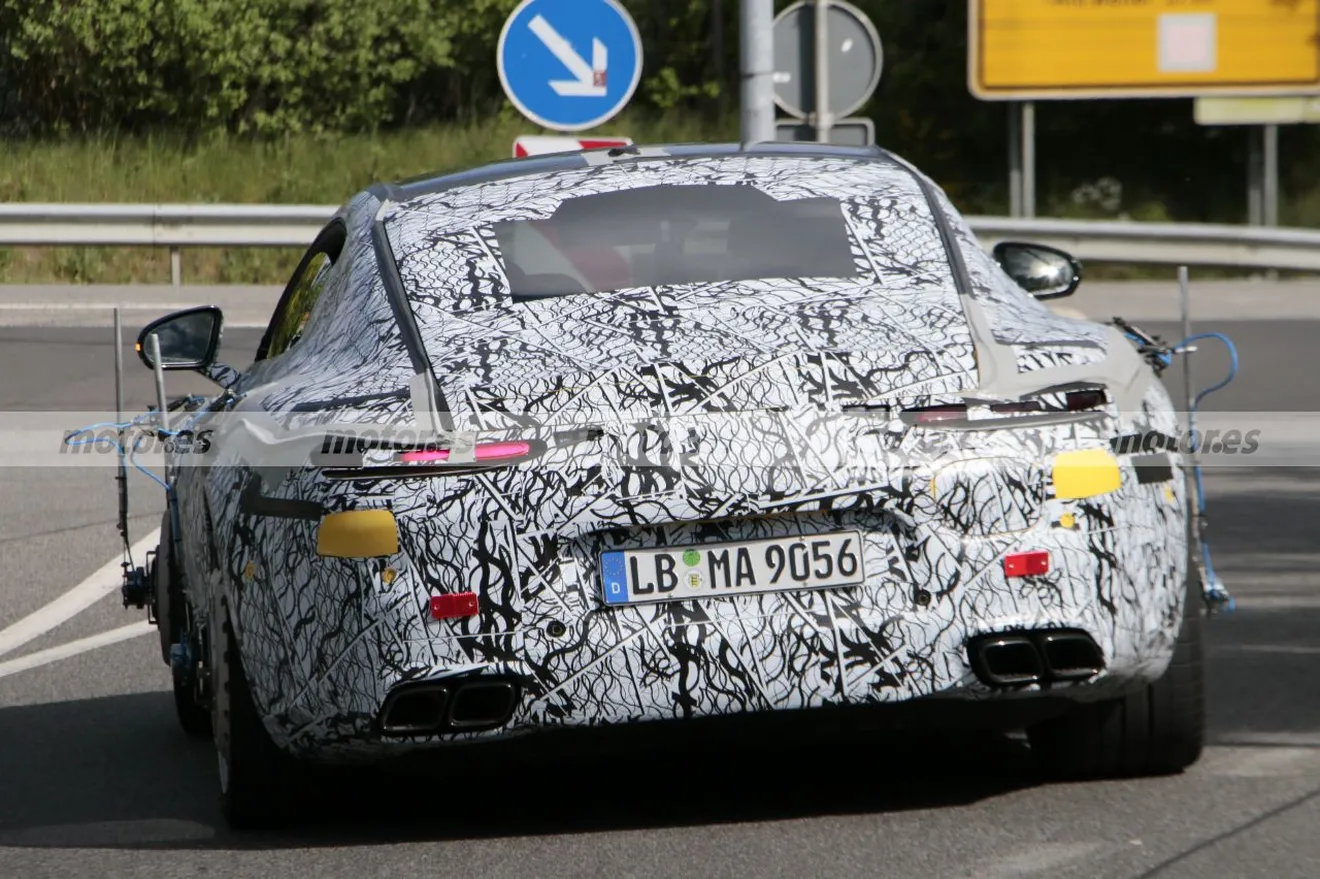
(1027, 564)
(483, 451)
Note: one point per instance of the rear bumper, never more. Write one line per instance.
(816, 663)
(1116, 575)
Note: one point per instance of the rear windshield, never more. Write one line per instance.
(657, 235)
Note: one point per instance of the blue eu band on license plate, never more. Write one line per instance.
(714, 570)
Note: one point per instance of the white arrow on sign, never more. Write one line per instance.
(590, 78)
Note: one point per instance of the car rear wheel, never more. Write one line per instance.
(1156, 730)
(256, 777)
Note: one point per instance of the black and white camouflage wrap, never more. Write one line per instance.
(722, 412)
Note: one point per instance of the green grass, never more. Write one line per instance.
(325, 170)
(296, 170)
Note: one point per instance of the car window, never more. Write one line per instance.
(673, 235)
(287, 325)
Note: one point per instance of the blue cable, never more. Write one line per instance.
(74, 439)
(1214, 589)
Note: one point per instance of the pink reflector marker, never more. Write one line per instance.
(455, 604)
(1027, 564)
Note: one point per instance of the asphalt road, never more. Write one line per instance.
(96, 779)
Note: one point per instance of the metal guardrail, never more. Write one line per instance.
(166, 225)
(1193, 244)
(179, 226)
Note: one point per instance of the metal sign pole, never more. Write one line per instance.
(823, 122)
(1269, 201)
(758, 68)
(1255, 176)
(1029, 159)
(1014, 160)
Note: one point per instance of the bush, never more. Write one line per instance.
(261, 66)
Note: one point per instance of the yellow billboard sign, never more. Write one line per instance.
(1042, 49)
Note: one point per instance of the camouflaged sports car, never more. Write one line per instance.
(653, 434)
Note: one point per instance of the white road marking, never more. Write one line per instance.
(1262, 762)
(60, 313)
(75, 601)
(1271, 739)
(1284, 649)
(93, 306)
(73, 648)
(1041, 857)
(1275, 602)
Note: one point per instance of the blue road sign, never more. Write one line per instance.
(569, 64)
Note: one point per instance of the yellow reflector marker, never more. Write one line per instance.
(1068, 520)
(358, 534)
(1085, 473)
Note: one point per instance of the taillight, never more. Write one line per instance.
(484, 452)
(1014, 408)
(936, 414)
(1073, 401)
(354, 459)
(1092, 398)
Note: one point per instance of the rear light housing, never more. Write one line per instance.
(937, 414)
(1080, 400)
(348, 458)
(487, 452)
(1090, 398)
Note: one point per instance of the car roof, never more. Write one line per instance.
(511, 168)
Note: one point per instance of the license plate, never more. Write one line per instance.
(712, 570)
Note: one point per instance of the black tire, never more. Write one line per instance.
(193, 717)
(257, 779)
(1157, 730)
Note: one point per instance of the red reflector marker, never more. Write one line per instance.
(1027, 564)
(455, 604)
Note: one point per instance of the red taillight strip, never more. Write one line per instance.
(1074, 401)
(483, 452)
(936, 414)
(1012, 408)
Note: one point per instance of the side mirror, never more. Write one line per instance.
(1044, 272)
(189, 339)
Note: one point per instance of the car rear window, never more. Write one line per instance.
(674, 234)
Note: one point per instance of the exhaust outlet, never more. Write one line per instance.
(416, 710)
(1070, 656)
(482, 704)
(1006, 660)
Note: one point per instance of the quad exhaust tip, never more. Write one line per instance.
(1013, 659)
(427, 709)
